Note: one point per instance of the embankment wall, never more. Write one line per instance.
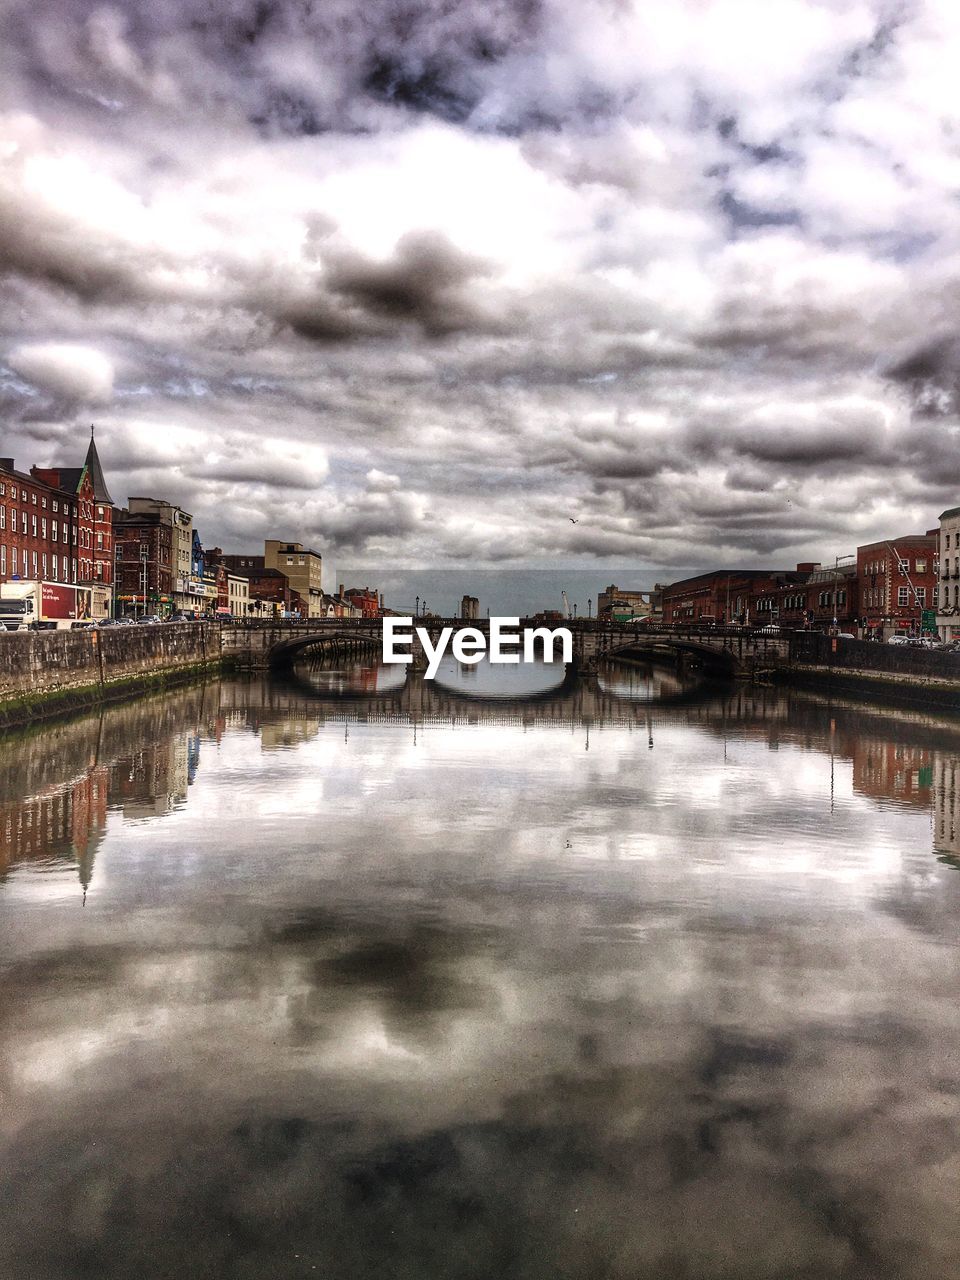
(46, 671)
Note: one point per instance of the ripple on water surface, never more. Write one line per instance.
(344, 975)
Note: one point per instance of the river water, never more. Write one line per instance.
(342, 977)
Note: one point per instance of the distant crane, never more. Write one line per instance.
(566, 605)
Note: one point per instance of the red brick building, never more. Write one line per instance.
(808, 597)
(745, 596)
(270, 591)
(898, 580)
(144, 544)
(56, 525)
(828, 597)
(38, 528)
(244, 563)
(366, 599)
(94, 521)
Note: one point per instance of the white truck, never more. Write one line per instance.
(42, 605)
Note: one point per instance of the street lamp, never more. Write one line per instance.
(836, 581)
(117, 569)
(144, 574)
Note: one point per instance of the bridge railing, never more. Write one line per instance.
(572, 624)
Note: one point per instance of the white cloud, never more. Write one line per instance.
(69, 371)
(402, 294)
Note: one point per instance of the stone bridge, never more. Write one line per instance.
(732, 652)
(258, 646)
(735, 652)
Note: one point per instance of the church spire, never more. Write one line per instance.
(92, 464)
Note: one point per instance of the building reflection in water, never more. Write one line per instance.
(487, 1005)
(63, 824)
(946, 813)
(137, 760)
(140, 761)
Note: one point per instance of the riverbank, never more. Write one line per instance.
(48, 673)
(905, 689)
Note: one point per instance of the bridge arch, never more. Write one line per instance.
(343, 641)
(717, 661)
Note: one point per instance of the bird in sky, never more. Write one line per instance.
(572, 521)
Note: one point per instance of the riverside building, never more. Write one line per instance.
(56, 525)
(948, 591)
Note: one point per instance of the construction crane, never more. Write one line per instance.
(566, 605)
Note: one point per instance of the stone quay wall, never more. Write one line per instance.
(57, 669)
(896, 674)
(814, 649)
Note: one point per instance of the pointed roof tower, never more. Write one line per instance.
(92, 464)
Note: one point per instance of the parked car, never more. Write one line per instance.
(147, 619)
(846, 635)
(898, 639)
(82, 624)
(107, 622)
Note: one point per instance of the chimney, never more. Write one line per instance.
(341, 590)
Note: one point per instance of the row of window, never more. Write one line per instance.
(880, 566)
(35, 565)
(55, 525)
(799, 603)
(15, 492)
(875, 597)
(59, 529)
(37, 528)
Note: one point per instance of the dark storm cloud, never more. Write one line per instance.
(423, 284)
(931, 373)
(360, 518)
(288, 476)
(425, 58)
(51, 251)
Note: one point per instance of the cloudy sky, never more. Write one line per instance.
(425, 282)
